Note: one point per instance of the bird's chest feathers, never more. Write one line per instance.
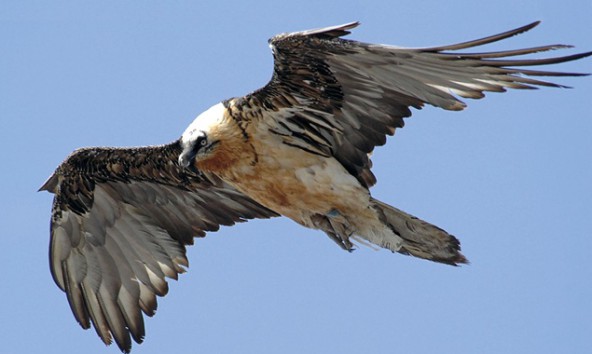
(281, 177)
(231, 155)
(233, 148)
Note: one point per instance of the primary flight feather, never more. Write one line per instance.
(298, 147)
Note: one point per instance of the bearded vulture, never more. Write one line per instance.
(298, 147)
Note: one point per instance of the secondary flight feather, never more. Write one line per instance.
(298, 147)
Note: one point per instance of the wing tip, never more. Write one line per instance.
(333, 31)
(485, 40)
(330, 32)
(532, 25)
(50, 184)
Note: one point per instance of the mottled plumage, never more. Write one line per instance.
(298, 147)
(120, 221)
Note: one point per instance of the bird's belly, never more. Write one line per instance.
(298, 184)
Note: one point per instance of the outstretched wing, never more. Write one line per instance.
(121, 219)
(340, 98)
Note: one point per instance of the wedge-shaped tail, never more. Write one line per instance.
(420, 238)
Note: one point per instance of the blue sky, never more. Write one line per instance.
(510, 176)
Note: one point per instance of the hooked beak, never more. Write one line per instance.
(187, 159)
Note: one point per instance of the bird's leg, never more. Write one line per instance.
(321, 222)
(336, 227)
(342, 228)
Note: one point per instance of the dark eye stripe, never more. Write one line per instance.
(200, 142)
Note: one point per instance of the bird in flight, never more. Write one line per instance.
(299, 147)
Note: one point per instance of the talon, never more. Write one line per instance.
(333, 213)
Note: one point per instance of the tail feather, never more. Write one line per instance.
(420, 239)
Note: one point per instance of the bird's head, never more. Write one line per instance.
(214, 142)
(202, 137)
(198, 147)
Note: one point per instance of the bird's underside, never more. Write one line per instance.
(298, 147)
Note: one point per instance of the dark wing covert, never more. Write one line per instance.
(336, 97)
(120, 221)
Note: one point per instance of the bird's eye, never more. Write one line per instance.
(202, 141)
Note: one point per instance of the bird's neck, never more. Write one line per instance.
(234, 149)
